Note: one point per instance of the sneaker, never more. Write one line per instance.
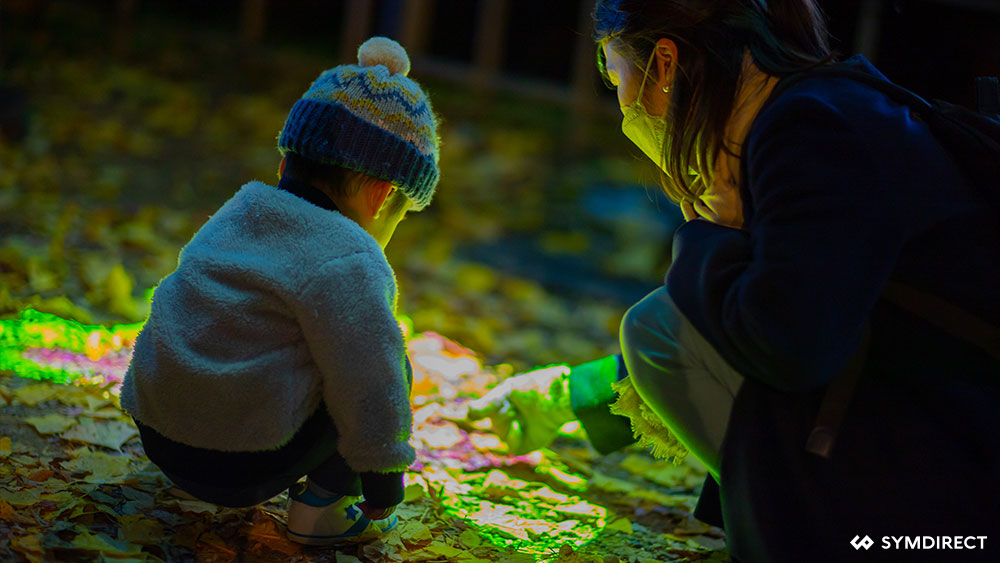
(326, 521)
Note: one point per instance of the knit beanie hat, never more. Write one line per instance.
(369, 118)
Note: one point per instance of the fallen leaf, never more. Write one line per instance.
(195, 506)
(413, 492)
(187, 535)
(85, 507)
(345, 558)
(106, 545)
(110, 434)
(61, 496)
(442, 549)
(582, 508)
(499, 485)
(663, 472)
(709, 542)
(72, 396)
(656, 497)
(24, 497)
(142, 498)
(94, 403)
(41, 475)
(548, 495)
(415, 532)
(566, 525)
(51, 423)
(30, 544)
(6, 447)
(620, 524)
(26, 461)
(31, 395)
(470, 539)
(105, 413)
(610, 484)
(136, 528)
(383, 550)
(6, 511)
(692, 527)
(102, 497)
(102, 467)
(213, 540)
(271, 534)
(516, 558)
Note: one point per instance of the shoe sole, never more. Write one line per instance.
(307, 539)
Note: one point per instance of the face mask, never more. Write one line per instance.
(647, 132)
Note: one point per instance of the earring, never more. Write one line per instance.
(666, 89)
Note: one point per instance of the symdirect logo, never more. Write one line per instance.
(858, 542)
(922, 542)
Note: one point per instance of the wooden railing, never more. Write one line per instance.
(485, 73)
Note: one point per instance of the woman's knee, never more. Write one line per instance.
(648, 331)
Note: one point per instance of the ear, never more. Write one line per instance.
(666, 62)
(376, 192)
(281, 168)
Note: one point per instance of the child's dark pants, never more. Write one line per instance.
(239, 479)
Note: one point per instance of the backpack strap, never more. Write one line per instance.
(927, 306)
(943, 314)
(988, 95)
(835, 400)
(894, 91)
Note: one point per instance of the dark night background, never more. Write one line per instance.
(124, 124)
(934, 47)
(128, 105)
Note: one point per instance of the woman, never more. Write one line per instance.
(801, 208)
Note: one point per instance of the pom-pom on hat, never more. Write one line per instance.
(369, 118)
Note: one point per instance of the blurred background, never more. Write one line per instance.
(124, 124)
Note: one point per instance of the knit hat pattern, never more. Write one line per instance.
(370, 118)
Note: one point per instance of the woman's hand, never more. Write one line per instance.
(687, 208)
(527, 410)
(711, 206)
(720, 202)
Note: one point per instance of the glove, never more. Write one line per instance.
(527, 410)
(373, 513)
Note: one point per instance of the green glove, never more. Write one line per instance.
(527, 410)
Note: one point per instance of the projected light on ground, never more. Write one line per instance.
(462, 467)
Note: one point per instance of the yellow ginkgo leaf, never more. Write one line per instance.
(108, 433)
(470, 539)
(31, 395)
(51, 423)
(620, 524)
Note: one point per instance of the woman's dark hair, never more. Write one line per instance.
(782, 36)
(334, 180)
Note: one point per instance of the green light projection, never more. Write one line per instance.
(460, 466)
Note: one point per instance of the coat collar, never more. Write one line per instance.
(307, 192)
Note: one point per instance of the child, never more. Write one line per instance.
(272, 351)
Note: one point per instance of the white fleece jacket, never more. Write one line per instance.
(276, 304)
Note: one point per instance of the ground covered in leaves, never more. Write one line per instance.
(532, 250)
(75, 485)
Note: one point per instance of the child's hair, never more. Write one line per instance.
(782, 36)
(335, 181)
